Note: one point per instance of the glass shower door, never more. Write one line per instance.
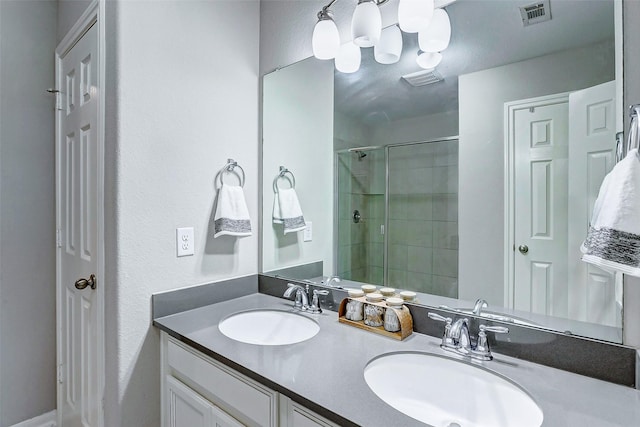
(361, 214)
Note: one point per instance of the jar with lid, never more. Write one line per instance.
(391, 321)
(355, 308)
(374, 314)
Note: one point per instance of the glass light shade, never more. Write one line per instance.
(326, 39)
(429, 60)
(437, 36)
(366, 24)
(348, 58)
(388, 50)
(414, 15)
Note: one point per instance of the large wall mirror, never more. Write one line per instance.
(472, 180)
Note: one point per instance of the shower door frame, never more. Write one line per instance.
(336, 198)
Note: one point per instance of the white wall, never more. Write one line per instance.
(481, 175)
(69, 11)
(27, 211)
(182, 97)
(298, 134)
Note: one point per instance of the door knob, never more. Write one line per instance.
(523, 249)
(83, 283)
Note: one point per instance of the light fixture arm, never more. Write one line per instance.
(325, 13)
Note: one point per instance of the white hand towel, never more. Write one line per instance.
(613, 240)
(287, 211)
(232, 216)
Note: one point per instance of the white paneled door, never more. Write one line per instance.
(77, 204)
(540, 220)
(593, 292)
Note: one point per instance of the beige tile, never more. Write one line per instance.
(419, 282)
(376, 275)
(398, 257)
(419, 259)
(398, 204)
(398, 181)
(373, 228)
(445, 207)
(420, 207)
(398, 278)
(420, 180)
(358, 256)
(445, 179)
(344, 232)
(445, 286)
(445, 234)
(445, 262)
(446, 153)
(420, 233)
(397, 232)
(376, 255)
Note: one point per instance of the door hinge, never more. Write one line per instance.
(57, 94)
(58, 238)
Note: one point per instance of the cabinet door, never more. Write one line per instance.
(225, 420)
(295, 415)
(185, 408)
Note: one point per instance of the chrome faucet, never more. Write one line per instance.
(456, 337)
(302, 297)
(331, 279)
(480, 304)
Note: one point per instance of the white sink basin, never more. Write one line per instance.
(268, 327)
(444, 392)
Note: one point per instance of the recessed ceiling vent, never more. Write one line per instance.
(535, 13)
(422, 78)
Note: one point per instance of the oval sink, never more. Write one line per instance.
(268, 327)
(444, 392)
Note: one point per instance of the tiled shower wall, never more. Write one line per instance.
(423, 217)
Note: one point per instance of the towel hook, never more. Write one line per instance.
(634, 128)
(230, 168)
(282, 174)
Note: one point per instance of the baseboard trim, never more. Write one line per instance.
(44, 420)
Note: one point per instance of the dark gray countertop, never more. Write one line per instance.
(325, 373)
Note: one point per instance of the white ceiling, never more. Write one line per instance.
(485, 34)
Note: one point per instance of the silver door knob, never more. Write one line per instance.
(83, 283)
(523, 249)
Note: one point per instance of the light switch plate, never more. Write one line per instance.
(184, 241)
(307, 235)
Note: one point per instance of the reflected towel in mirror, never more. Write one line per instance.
(232, 215)
(613, 240)
(287, 210)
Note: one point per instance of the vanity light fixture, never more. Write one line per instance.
(429, 60)
(366, 24)
(326, 39)
(348, 58)
(415, 15)
(390, 47)
(436, 37)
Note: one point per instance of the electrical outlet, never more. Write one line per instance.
(307, 234)
(184, 241)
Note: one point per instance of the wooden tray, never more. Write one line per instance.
(406, 321)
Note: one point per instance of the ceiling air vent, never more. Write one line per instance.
(422, 78)
(535, 13)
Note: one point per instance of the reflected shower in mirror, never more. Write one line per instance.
(472, 180)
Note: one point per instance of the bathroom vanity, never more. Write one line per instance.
(209, 379)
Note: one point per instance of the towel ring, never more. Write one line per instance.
(634, 128)
(230, 168)
(283, 172)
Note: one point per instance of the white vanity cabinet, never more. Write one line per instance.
(200, 391)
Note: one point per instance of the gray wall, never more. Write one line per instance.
(182, 97)
(68, 13)
(481, 175)
(27, 216)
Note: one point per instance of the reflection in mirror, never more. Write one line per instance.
(479, 184)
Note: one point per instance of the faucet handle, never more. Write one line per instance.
(436, 316)
(482, 350)
(315, 302)
(447, 341)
